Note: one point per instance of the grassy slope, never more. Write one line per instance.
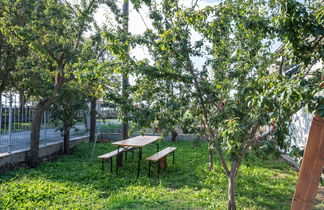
(76, 182)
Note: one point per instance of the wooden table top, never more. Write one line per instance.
(138, 141)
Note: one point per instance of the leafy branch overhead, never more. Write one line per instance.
(234, 98)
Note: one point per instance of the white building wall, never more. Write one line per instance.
(302, 121)
(300, 128)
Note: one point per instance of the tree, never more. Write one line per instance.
(9, 54)
(7, 63)
(119, 44)
(94, 76)
(53, 30)
(65, 112)
(158, 104)
(125, 80)
(233, 94)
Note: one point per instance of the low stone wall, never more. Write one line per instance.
(45, 151)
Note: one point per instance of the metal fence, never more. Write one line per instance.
(15, 124)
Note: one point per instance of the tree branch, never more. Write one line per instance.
(49, 52)
(82, 25)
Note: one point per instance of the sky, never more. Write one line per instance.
(137, 25)
(139, 21)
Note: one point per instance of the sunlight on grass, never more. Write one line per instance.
(75, 181)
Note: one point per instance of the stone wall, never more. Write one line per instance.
(45, 151)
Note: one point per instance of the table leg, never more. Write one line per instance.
(157, 146)
(111, 165)
(139, 160)
(117, 160)
(149, 169)
(140, 153)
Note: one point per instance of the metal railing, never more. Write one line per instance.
(16, 118)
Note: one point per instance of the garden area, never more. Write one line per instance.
(76, 181)
(234, 89)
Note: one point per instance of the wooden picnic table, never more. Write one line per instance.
(137, 142)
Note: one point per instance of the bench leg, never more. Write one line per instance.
(158, 168)
(133, 151)
(117, 160)
(173, 157)
(102, 165)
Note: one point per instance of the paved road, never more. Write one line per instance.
(21, 140)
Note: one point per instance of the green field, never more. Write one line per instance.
(76, 182)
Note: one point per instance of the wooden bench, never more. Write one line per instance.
(110, 155)
(161, 159)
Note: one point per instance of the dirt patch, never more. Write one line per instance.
(280, 175)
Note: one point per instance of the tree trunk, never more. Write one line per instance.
(231, 190)
(211, 156)
(85, 119)
(312, 167)
(21, 106)
(41, 106)
(174, 135)
(66, 134)
(93, 113)
(125, 76)
(35, 132)
(281, 66)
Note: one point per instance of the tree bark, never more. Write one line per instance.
(311, 168)
(125, 127)
(231, 191)
(174, 135)
(281, 65)
(85, 119)
(35, 129)
(93, 113)
(211, 156)
(66, 134)
(125, 81)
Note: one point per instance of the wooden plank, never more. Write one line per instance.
(161, 154)
(111, 154)
(138, 141)
(311, 168)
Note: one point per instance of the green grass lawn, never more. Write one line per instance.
(110, 127)
(75, 181)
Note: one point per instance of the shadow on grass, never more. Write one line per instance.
(185, 184)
